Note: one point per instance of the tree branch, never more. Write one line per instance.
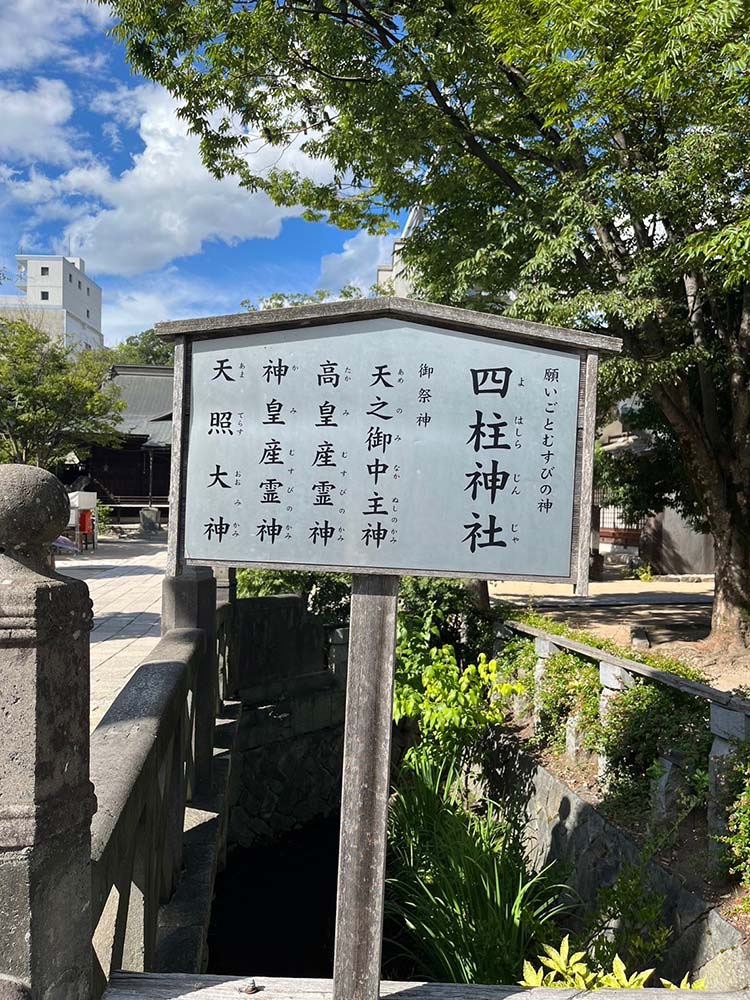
(697, 321)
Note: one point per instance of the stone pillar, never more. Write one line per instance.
(338, 654)
(189, 601)
(46, 798)
(226, 593)
(226, 584)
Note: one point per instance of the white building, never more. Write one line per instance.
(394, 275)
(58, 298)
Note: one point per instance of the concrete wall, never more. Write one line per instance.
(670, 545)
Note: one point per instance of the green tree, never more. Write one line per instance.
(581, 162)
(52, 401)
(145, 348)
(645, 480)
(285, 300)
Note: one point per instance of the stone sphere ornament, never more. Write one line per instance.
(34, 510)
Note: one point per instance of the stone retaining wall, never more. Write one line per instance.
(288, 761)
(291, 681)
(564, 827)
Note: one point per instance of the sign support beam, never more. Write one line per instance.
(366, 785)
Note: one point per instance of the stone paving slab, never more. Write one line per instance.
(125, 580)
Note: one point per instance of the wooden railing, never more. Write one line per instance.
(729, 715)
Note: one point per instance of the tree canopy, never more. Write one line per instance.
(145, 348)
(581, 162)
(52, 401)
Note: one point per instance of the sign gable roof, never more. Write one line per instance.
(410, 310)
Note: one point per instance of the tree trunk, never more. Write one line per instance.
(480, 592)
(731, 611)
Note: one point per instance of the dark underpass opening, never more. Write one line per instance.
(274, 910)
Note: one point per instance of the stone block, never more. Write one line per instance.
(545, 647)
(150, 520)
(574, 736)
(728, 970)
(639, 637)
(728, 724)
(322, 711)
(667, 791)
(615, 678)
(338, 654)
(46, 797)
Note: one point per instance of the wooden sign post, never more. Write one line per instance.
(365, 788)
(381, 437)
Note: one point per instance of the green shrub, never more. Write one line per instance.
(646, 721)
(516, 661)
(644, 573)
(468, 628)
(642, 723)
(467, 907)
(325, 594)
(737, 840)
(656, 660)
(570, 686)
(454, 707)
(103, 518)
(462, 624)
(561, 969)
(628, 918)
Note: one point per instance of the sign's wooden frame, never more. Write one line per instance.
(586, 346)
(374, 605)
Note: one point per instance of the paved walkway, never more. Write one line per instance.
(124, 579)
(670, 611)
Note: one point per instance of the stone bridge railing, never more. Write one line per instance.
(729, 718)
(82, 864)
(142, 768)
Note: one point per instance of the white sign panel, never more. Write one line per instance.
(385, 446)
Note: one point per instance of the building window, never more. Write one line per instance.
(79, 284)
(45, 296)
(88, 314)
(88, 290)
(70, 277)
(45, 271)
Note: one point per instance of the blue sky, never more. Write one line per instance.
(94, 158)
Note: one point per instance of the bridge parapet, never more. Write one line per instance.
(46, 798)
(143, 771)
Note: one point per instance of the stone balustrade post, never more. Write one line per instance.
(226, 592)
(226, 584)
(613, 680)
(728, 728)
(189, 601)
(544, 649)
(338, 656)
(46, 798)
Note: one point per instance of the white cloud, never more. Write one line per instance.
(35, 123)
(166, 205)
(357, 264)
(39, 31)
(159, 297)
(111, 133)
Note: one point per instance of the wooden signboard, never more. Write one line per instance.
(381, 437)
